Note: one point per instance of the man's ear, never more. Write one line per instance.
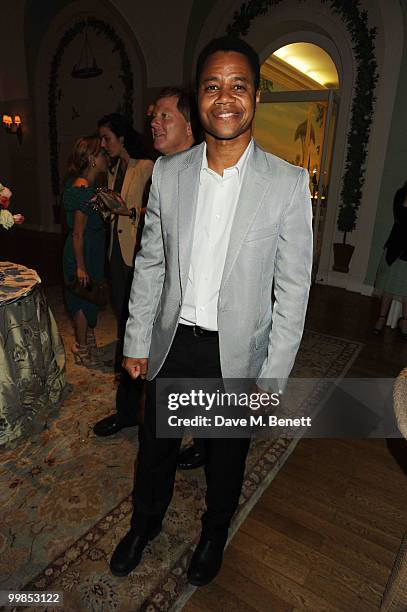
(189, 129)
(257, 97)
(121, 140)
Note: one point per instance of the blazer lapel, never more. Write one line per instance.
(256, 182)
(128, 178)
(188, 186)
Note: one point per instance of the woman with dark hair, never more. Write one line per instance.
(129, 175)
(84, 251)
(391, 279)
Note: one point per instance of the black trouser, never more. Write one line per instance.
(121, 279)
(190, 356)
(129, 399)
(129, 392)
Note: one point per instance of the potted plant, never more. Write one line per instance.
(346, 223)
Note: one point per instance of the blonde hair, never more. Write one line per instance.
(79, 158)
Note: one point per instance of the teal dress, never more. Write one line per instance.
(94, 245)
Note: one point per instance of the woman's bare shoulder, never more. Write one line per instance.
(80, 182)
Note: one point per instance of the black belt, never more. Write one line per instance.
(198, 331)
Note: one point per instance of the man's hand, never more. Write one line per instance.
(268, 400)
(135, 367)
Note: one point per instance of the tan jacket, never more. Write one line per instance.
(137, 175)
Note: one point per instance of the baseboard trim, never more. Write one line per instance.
(345, 281)
(49, 229)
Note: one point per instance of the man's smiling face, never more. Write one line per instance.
(170, 130)
(226, 97)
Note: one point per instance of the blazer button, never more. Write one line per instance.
(119, 231)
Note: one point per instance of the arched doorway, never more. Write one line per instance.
(296, 118)
(73, 105)
(366, 47)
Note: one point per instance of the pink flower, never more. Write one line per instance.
(5, 192)
(19, 219)
(4, 201)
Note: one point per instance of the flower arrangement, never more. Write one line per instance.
(7, 219)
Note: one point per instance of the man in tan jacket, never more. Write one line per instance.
(173, 131)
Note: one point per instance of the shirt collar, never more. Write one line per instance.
(239, 166)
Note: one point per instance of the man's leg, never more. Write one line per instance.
(129, 400)
(225, 461)
(129, 392)
(193, 456)
(155, 473)
(119, 285)
(224, 469)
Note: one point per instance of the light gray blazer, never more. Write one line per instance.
(271, 240)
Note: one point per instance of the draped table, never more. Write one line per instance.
(32, 356)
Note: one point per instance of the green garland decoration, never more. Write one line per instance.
(363, 40)
(126, 77)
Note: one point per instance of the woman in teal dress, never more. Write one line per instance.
(84, 252)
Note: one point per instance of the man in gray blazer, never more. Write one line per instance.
(173, 125)
(226, 224)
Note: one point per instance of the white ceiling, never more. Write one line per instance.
(311, 60)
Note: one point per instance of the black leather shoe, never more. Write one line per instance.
(206, 561)
(129, 551)
(190, 458)
(109, 426)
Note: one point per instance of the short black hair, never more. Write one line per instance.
(229, 43)
(121, 126)
(186, 105)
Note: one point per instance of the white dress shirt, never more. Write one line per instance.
(217, 200)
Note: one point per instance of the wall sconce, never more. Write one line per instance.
(13, 125)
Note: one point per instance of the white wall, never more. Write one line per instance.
(85, 96)
(314, 21)
(12, 51)
(388, 19)
(16, 161)
(155, 34)
(146, 29)
(160, 28)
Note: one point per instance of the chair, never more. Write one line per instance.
(395, 595)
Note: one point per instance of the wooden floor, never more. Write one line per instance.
(325, 533)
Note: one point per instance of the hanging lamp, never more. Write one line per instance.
(86, 68)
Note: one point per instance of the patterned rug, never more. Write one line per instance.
(65, 494)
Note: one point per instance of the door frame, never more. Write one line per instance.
(332, 97)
